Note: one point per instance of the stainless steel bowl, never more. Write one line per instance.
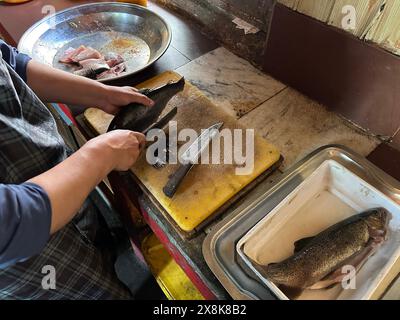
(138, 34)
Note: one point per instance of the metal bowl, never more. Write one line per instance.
(136, 33)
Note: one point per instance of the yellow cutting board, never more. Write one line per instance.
(206, 187)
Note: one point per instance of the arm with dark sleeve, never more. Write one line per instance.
(18, 61)
(53, 85)
(25, 219)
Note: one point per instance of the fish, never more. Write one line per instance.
(75, 56)
(91, 68)
(85, 54)
(137, 117)
(92, 63)
(112, 72)
(113, 59)
(70, 53)
(317, 261)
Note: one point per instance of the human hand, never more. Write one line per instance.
(115, 98)
(118, 149)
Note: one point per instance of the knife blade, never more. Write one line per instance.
(190, 157)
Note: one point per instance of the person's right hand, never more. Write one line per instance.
(119, 148)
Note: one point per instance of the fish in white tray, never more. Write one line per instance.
(317, 261)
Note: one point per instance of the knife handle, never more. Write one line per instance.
(176, 179)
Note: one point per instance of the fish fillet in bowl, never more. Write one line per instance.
(133, 32)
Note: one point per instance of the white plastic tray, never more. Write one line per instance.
(330, 194)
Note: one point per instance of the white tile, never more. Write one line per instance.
(230, 82)
(298, 125)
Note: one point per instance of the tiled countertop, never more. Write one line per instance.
(288, 119)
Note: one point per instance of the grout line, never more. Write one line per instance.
(190, 60)
(176, 69)
(261, 103)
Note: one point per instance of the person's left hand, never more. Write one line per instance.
(115, 98)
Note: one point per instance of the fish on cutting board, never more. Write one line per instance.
(204, 193)
(137, 117)
(317, 261)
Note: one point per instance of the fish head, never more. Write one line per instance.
(378, 217)
(377, 220)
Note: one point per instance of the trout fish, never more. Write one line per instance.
(137, 117)
(317, 261)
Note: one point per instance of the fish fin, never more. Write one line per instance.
(272, 264)
(300, 244)
(326, 284)
(290, 292)
(329, 281)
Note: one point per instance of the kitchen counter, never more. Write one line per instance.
(291, 121)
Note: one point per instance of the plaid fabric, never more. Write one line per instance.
(29, 145)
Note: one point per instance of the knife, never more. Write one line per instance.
(190, 157)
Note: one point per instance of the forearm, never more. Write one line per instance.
(53, 85)
(69, 183)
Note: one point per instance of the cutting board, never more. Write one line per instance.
(206, 188)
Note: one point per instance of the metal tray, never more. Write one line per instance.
(219, 247)
(139, 35)
(331, 194)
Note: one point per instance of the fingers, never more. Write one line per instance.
(141, 98)
(126, 147)
(141, 139)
